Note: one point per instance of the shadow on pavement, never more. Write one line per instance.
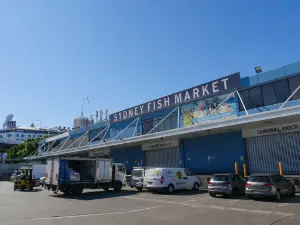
(34, 190)
(284, 199)
(94, 195)
(181, 193)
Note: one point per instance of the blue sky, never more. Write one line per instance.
(122, 53)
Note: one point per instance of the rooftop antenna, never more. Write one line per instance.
(101, 115)
(106, 114)
(82, 107)
(97, 114)
(87, 98)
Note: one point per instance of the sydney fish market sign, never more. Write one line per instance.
(224, 84)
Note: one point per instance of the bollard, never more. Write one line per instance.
(280, 168)
(236, 167)
(245, 170)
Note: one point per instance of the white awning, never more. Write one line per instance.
(283, 115)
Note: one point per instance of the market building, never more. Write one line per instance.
(252, 120)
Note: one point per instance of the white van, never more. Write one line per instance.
(170, 179)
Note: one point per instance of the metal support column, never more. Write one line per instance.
(242, 102)
(178, 118)
(135, 129)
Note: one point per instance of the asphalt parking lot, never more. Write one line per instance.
(134, 208)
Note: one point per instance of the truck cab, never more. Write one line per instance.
(120, 172)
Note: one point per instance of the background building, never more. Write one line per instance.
(11, 134)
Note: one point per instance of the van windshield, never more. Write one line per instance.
(137, 173)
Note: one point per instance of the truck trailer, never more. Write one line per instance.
(71, 175)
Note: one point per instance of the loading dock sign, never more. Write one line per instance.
(160, 145)
(278, 129)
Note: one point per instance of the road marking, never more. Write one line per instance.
(265, 212)
(260, 211)
(95, 214)
(193, 200)
(283, 204)
(282, 214)
(238, 209)
(233, 201)
(216, 207)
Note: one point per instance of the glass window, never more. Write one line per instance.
(246, 99)
(263, 179)
(187, 172)
(29, 136)
(278, 178)
(294, 83)
(33, 136)
(22, 135)
(268, 93)
(220, 178)
(161, 126)
(255, 97)
(281, 90)
(1, 136)
(173, 121)
(17, 135)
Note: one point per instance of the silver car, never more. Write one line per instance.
(269, 185)
(226, 184)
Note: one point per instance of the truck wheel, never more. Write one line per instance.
(118, 187)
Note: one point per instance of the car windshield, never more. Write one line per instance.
(220, 178)
(263, 179)
(137, 173)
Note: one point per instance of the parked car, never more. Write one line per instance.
(269, 185)
(170, 179)
(226, 184)
(137, 178)
(14, 176)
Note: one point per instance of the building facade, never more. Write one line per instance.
(207, 128)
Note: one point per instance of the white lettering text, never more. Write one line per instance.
(204, 90)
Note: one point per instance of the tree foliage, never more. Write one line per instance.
(23, 150)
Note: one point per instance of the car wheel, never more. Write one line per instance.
(139, 189)
(170, 188)
(212, 194)
(105, 189)
(278, 195)
(196, 186)
(293, 191)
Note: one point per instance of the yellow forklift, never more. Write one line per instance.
(24, 180)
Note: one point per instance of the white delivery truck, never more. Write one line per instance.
(73, 174)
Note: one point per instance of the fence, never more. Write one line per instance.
(6, 169)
